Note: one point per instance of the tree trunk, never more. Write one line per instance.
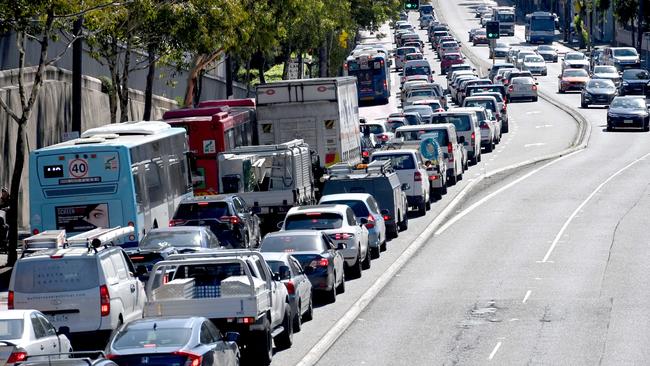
(262, 67)
(287, 60)
(199, 64)
(124, 84)
(113, 91)
(148, 92)
(19, 164)
(322, 60)
(301, 66)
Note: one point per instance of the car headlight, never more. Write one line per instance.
(625, 83)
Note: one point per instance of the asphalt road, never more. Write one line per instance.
(546, 266)
(530, 136)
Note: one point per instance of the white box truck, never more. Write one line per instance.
(323, 112)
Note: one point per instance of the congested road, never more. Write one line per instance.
(530, 137)
(543, 267)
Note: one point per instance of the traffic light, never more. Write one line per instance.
(412, 5)
(492, 29)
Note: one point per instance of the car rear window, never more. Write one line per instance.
(152, 338)
(292, 243)
(176, 238)
(487, 104)
(374, 129)
(56, 275)
(201, 210)
(358, 207)
(462, 122)
(313, 221)
(399, 161)
(11, 329)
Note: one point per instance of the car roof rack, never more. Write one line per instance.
(375, 167)
(95, 238)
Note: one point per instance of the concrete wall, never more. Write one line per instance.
(52, 117)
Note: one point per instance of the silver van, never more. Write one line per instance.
(453, 151)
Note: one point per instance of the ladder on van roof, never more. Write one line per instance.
(375, 167)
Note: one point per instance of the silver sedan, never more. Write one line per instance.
(522, 87)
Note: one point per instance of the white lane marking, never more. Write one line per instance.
(480, 202)
(526, 296)
(543, 126)
(494, 351)
(534, 112)
(535, 144)
(573, 215)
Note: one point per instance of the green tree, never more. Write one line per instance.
(41, 21)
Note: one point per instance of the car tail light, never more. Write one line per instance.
(104, 301)
(511, 88)
(371, 222)
(323, 262)
(15, 357)
(291, 289)
(35, 231)
(365, 154)
(505, 81)
(192, 358)
(176, 222)
(417, 176)
(433, 177)
(473, 136)
(382, 137)
(450, 148)
(10, 300)
(534, 87)
(386, 217)
(231, 219)
(341, 236)
(484, 126)
(385, 83)
(245, 320)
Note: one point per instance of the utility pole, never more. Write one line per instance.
(640, 24)
(77, 58)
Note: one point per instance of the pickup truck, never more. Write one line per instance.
(234, 288)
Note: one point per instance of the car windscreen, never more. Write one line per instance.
(422, 93)
(11, 329)
(417, 70)
(624, 52)
(635, 75)
(393, 125)
(441, 135)
(462, 122)
(313, 221)
(412, 119)
(523, 81)
(545, 48)
(374, 129)
(574, 56)
(628, 103)
(423, 110)
(176, 238)
(151, 338)
(452, 57)
(601, 84)
(358, 207)
(605, 70)
(575, 73)
(56, 275)
(399, 161)
(292, 243)
(201, 210)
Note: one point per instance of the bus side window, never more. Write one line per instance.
(138, 183)
(155, 189)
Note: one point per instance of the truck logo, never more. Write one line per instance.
(270, 92)
(329, 124)
(324, 88)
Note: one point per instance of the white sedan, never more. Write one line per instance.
(28, 333)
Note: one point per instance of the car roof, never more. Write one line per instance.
(393, 151)
(417, 63)
(428, 126)
(278, 256)
(178, 229)
(74, 252)
(15, 314)
(208, 198)
(347, 196)
(319, 208)
(481, 97)
(294, 233)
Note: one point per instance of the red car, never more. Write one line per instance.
(450, 59)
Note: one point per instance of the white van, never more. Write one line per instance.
(90, 291)
(454, 152)
(467, 126)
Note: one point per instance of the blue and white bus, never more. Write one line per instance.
(373, 76)
(540, 27)
(124, 174)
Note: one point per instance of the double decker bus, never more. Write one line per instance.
(123, 174)
(540, 27)
(373, 76)
(215, 126)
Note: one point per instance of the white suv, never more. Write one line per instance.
(408, 164)
(90, 291)
(339, 223)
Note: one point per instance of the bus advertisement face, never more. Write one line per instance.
(80, 218)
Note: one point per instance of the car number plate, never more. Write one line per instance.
(57, 318)
(628, 121)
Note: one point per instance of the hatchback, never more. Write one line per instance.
(522, 87)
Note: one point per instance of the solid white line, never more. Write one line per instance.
(573, 215)
(483, 200)
(526, 296)
(494, 351)
(535, 144)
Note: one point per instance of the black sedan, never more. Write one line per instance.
(172, 341)
(549, 53)
(635, 82)
(319, 257)
(598, 91)
(629, 112)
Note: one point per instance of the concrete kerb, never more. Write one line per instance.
(580, 142)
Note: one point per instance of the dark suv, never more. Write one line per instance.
(227, 215)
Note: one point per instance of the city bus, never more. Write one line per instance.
(540, 27)
(215, 126)
(373, 76)
(123, 174)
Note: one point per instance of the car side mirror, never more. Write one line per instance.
(279, 224)
(341, 246)
(536, 83)
(461, 139)
(363, 221)
(232, 337)
(433, 72)
(405, 187)
(285, 273)
(559, 76)
(63, 331)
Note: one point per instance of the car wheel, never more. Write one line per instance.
(609, 128)
(297, 320)
(583, 104)
(355, 270)
(309, 314)
(366, 261)
(489, 147)
(427, 204)
(330, 296)
(404, 224)
(261, 345)
(422, 209)
(382, 246)
(341, 287)
(374, 252)
(646, 128)
(534, 99)
(478, 158)
(452, 180)
(284, 340)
